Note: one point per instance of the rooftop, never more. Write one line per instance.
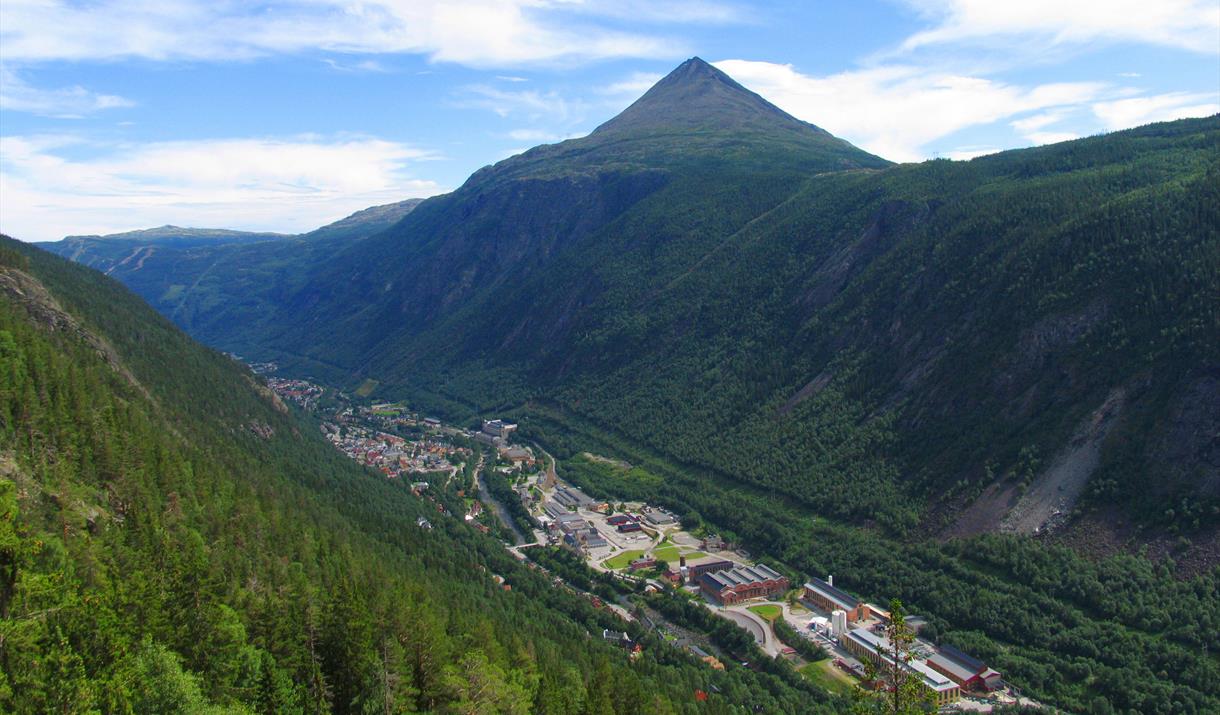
(881, 645)
(741, 576)
(569, 496)
(965, 661)
(952, 667)
(834, 594)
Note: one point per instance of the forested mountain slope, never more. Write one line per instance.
(948, 346)
(208, 280)
(173, 539)
(852, 338)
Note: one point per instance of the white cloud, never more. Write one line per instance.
(66, 102)
(51, 186)
(967, 153)
(897, 111)
(1137, 111)
(1192, 25)
(1038, 121)
(473, 32)
(538, 136)
(665, 11)
(1040, 138)
(633, 85)
(362, 66)
(531, 104)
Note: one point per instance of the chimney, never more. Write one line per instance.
(681, 560)
(830, 580)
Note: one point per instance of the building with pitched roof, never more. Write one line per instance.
(826, 597)
(692, 569)
(742, 584)
(968, 672)
(865, 644)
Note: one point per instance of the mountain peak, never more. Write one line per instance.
(695, 96)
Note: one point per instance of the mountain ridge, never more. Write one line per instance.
(487, 276)
(697, 95)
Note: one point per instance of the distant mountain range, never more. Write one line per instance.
(952, 347)
(130, 251)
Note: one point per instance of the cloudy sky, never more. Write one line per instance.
(119, 114)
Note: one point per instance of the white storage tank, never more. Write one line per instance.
(838, 623)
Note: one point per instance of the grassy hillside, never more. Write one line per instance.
(171, 539)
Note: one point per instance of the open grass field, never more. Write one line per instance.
(671, 553)
(620, 561)
(768, 611)
(825, 674)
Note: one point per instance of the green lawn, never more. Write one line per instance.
(768, 611)
(670, 554)
(825, 674)
(620, 561)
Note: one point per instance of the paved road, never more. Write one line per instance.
(755, 624)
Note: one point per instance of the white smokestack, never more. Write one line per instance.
(830, 579)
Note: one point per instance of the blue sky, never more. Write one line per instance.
(117, 115)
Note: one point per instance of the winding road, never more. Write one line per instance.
(755, 624)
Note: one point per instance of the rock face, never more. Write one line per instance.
(1052, 496)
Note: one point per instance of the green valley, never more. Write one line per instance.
(174, 538)
(984, 387)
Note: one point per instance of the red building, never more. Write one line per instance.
(696, 568)
(968, 672)
(825, 596)
(743, 583)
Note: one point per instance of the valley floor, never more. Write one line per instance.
(633, 541)
(1120, 632)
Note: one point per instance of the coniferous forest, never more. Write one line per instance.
(172, 539)
(841, 364)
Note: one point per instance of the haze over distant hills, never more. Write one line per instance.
(854, 366)
(131, 250)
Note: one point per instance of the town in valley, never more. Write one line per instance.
(500, 484)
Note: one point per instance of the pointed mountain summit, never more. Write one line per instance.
(695, 117)
(697, 96)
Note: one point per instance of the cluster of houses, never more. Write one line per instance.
(943, 672)
(858, 627)
(358, 433)
(301, 392)
(393, 455)
(258, 368)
